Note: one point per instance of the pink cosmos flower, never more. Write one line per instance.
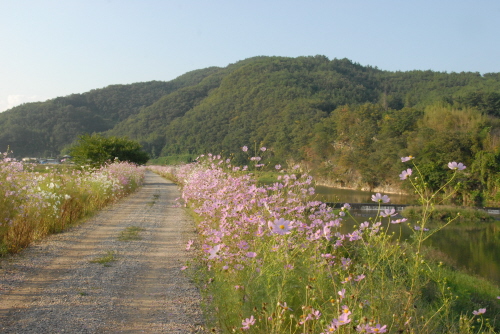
(408, 158)
(456, 166)
(278, 167)
(285, 306)
(364, 225)
(280, 226)
(263, 149)
(314, 315)
(354, 236)
(479, 312)
(346, 206)
(399, 221)
(214, 252)
(346, 262)
(342, 293)
(251, 254)
(331, 328)
(359, 278)
(345, 310)
(405, 174)
(380, 199)
(362, 328)
(244, 148)
(189, 244)
(377, 329)
(336, 323)
(248, 322)
(388, 213)
(343, 319)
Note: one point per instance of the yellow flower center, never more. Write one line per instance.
(282, 227)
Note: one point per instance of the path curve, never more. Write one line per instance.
(55, 287)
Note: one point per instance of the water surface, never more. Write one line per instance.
(474, 247)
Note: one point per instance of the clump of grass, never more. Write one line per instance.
(106, 259)
(130, 233)
(155, 197)
(446, 212)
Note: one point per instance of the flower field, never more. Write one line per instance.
(36, 203)
(271, 259)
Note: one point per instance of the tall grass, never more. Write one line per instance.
(272, 261)
(34, 204)
(446, 212)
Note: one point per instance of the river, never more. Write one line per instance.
(474, 247)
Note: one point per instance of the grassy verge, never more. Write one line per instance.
(34, 204)
(447, 212)
(270, 260)
(173, 159)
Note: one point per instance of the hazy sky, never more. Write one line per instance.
(56, 48)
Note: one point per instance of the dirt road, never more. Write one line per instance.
(119, 272)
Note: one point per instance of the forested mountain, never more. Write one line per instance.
(348, 123)
(42, 129)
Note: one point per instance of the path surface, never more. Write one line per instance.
(54, 287)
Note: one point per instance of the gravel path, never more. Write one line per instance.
(56, 286)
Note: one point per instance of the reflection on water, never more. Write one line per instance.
(330, 195)
(475, 247)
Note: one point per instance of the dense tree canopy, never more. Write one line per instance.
(97, 150)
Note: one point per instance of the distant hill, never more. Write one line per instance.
(45, 128)
(347, 122)
(277, 101)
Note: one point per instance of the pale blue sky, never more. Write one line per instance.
(52, 48)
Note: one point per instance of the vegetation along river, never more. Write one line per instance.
(474, 247)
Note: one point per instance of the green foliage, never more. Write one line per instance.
(446, 212)
(173, 159)
(105, 259)
(130, 233)
(345, 122)
(44, 129)
(97, 150)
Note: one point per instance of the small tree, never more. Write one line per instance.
(96, 150)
